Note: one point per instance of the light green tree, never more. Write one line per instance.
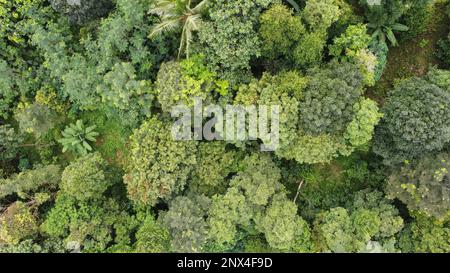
(17, 222)
(152, 237)
(415, 122)
(320, 14)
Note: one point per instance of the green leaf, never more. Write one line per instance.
(391, 37)
(400, 27)
(79, 125)
(87, 146)
(75, 142)
(90, 138)
(90, 129)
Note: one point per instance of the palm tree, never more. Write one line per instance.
(383, 17)
(176, 14)
(381, 33)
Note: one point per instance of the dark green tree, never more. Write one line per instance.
(229, 38)
(82, 11)
(329, 98)
(415, 121)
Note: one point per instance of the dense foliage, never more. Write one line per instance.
(88, 158)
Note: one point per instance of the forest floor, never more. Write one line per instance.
(412, 57)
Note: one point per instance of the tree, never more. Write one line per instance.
(349, 15)
(214, 164)
(383, 17)
(93, 225)
(120, 89)
(169, 83)
(350, 43)
(17, 222)
(82, 11)
(423, 186)
(250, 191)
(20, 72)
(418, 17)
(71, 71)
(286, 42)
(178, 83)
(256, 203)
(10, 142)
(302, 138)
(280, 31)
(152, 237)
(284, 90)
(425, 235)
(334, 231)
(229, 39)
(6, 89)
(123, 37)
(283, 228)
(186, 222)
(320, 14)
(414, 123)
(175, 14)
(440, 78)
(390, 221)
(30, 182)
(76, 138)
(311, 149)
(29, 246)
(86, 178)
(309, 51)
(259, 180)
(226, 213)
(35, 118)
(112, 66)
(369, 218)
(159, 166)
(329, 99)
(360, 129)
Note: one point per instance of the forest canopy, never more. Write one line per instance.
(359, 92)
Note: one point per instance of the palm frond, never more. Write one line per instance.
(200, 6)
(163, 6)
(391, 37)
(400, 27)
(182, 42)
(168, 25)
(175, 14)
